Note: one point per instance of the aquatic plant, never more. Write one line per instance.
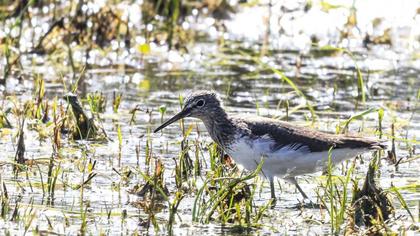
(85, 127)
(371, 205)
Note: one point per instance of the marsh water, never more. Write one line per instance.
(246, 64)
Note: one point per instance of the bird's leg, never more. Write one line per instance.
(293, 181)
(301, 191)
(305, 197)
(273, 192)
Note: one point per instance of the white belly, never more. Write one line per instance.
(287, 161)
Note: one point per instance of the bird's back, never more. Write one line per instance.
(286, 134)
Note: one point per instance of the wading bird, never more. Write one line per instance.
(288, 150)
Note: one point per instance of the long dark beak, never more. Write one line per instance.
(176, 117)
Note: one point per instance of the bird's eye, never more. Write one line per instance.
(200, 103)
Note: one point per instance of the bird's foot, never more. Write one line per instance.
(307, 203)
(273, 202)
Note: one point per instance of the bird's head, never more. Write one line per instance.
(200, 104)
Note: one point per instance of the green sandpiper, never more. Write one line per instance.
(289, 150)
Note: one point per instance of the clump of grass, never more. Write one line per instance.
(154, 192)
(133, 114)
(120, 142)
(20, 150)
(158, 192)
(10, 42)
(173, 208)
(72, 28)
(88, 167)
(185, 166)
(154, 187)
(380, 120)
(53, 173)
(197, 162)
(4, 121)
(227, 197)
(116, 102)
(392, 154)
(4, 201)
(83, 216)
(136, 109)
(58, 122)
(149, 148)
(85, 128)
(371, 205)
(15, 215)
(97, 102)
(336, 197)
(39, 108)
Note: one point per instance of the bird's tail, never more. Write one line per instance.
(379, 145)
(359, 142)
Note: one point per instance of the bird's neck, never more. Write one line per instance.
(220, 127)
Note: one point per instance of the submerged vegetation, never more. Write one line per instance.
(84, 82)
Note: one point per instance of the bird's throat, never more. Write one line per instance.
(220, 127)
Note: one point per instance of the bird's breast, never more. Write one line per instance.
(248, 152)
(286, 161)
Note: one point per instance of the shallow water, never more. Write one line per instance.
(329, 83)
